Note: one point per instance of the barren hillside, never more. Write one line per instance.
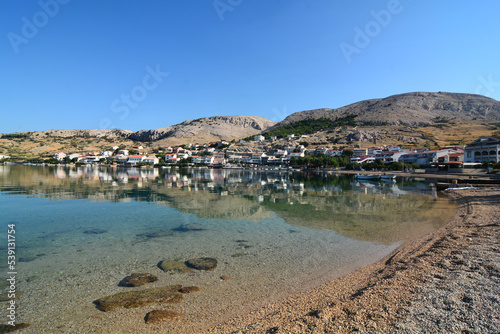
(412, 109)
(209, 128)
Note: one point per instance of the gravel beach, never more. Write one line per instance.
(445, 282)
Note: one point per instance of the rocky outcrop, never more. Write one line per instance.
(222, 127)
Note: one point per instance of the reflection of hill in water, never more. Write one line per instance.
(386, 215)
(212, 205)
(204, 203)
(367, 217)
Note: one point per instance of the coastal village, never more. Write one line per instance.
(262, 152)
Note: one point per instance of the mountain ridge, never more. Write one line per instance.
(411, 109)
(408, 118)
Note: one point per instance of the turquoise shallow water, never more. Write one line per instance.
(79, 231)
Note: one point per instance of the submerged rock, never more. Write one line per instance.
(202, 263)
(152, 235)
(10, 328)
(156, 316)
(189, 228)
(138, 279)
(189, 289)
(173, 266)
(27, 258)
(95, 231)
(4, 297)
(132, 299)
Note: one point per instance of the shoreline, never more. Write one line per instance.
(440, 282)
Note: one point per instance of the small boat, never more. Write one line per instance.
(367, 176)
(388, 176)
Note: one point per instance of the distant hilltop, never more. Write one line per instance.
(411, 109)
(204, 129)
(396, 112)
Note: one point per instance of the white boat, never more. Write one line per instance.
(367, 176)
(388, 176)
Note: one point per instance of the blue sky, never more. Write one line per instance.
(86, 64)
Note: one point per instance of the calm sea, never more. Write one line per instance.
(79, 231)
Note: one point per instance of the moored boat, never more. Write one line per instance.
(367, 176)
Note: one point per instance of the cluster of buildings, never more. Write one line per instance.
(482, 149)
(122, 156)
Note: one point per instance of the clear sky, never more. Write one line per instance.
(130, 64)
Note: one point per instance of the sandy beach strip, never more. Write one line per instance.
(446, 282)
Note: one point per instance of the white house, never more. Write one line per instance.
(121, 158)
(483, 149)
(196, 159)
(246, 159)
(207, 159)
(219, 161)
(133, 159)
(219, 155)
(280, 153)
(71, 156)
(257, 157)
(296, 155)
(124, 152)
(425, 158)
(171, 158)
(390, 156)
(151, 160)
(333, 153)
(259, 138)
(92, 159)
(59, 156)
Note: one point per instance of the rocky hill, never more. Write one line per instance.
(411, 119)
(411, 109)
(94, 133)
(208, 129)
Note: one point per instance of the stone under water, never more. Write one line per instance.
(130, 299)
(173, 266)
(189, 289)
(138, 279)
(202, 263)
(95, 231)
(156, 316)
(189, 228)
(9, 328)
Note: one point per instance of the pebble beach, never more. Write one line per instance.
(445, 282)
